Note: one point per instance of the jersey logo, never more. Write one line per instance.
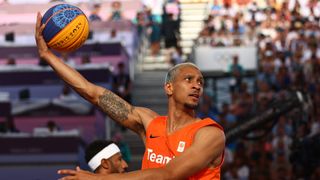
(151, 136)
(181, 146)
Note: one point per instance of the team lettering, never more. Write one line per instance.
(158, 158)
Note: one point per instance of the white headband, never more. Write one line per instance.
(105, 153)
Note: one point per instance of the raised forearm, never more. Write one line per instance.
(72, 77)
(69, 75)
(154, 174)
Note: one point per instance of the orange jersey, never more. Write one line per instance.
(162, 148)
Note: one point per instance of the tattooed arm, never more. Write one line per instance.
(134, 118)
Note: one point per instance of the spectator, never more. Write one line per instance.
(116, 13)
(236, 71)
(8, 125)
(315, 126)
(115, 37)
(140, 21)
(237, 28)
(243, 170)
(171, 32)
(283, 79)
(94, 16)
(230, 118)
(206, 111)
(85, 60)
(122, 84)
(66, 94)
(52, 126)
(282, 142)
(11, 61)
(176, 56)
(267, 76)
(155, 37)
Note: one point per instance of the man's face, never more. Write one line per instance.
(117, 164)
(188, 86)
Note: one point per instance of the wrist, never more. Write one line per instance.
(45, 54)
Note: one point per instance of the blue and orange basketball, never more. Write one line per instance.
(66, 27)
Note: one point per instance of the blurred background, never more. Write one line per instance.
(260, 60)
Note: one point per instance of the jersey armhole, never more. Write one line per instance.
(155, 120)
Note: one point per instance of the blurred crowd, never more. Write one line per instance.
(160, 28)
(287, 35)
(153, 26)
(114, 15)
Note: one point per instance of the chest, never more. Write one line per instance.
(158, 142)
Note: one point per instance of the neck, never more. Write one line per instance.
(178, 118)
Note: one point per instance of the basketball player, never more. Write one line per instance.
(178, 146)
(104, 157)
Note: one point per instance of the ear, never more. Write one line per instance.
(105, 164)
(168, 88)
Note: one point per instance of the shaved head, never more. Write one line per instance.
(175, 69)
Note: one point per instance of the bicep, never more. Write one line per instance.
(134, 118)
(207, 147)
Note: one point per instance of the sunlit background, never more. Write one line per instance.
(260, 60)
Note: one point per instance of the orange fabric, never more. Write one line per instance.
(162, 148)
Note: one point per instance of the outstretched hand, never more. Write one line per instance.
(42, 46)
(77, 174)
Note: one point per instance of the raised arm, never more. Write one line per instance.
(206, 150)
(134, 118)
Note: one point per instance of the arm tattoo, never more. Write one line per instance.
(117, 108)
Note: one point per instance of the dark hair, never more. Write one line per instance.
(95, 147)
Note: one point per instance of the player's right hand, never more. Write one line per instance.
(41, 44)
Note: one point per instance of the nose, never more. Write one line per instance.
(124, 164)
(197, 86)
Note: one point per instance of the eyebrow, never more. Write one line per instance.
(193, 76)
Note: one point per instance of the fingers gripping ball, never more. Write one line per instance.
(66, 27)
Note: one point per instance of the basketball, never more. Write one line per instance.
(66, 27)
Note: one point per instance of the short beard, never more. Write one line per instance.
(113, 168)
(191, 106)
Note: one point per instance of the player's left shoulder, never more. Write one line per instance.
(210, 132)
(210, 140)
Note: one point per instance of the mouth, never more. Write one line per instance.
(195, 95)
